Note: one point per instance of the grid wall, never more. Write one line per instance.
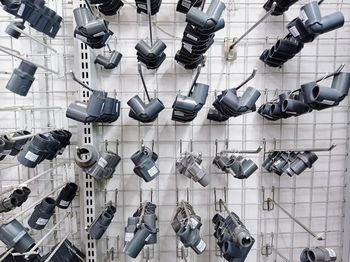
(316, 197)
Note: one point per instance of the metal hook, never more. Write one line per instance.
(4, 49)
(267, 204)
(243, 151)
(216, 147)
(12, 26)
(117, 146)
(340, 68)
(56, 248)
(191, 145)
(89, 6)
(106, 144)
(266, 248)
(143, 81)
(140, 196)
(109, 48)
(194, 81)
(149, 20)
(79, 81)
(8, 220)
(316, 149)
(116, 197)
(252, 75)
(217, 203)
(180, 146)
(187, 196)
(223, 203)
(316, 236)
(268, 13)
(33, 249)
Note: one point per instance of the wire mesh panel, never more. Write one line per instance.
(316, 198)
(42, 110)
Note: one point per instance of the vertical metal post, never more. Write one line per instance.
(86, 135)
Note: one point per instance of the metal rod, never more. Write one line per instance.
(316, 149)
(89, 6)
(243, 151)
(34, 204)
(56, 248)
(150, 21)
(32, 250)
(280, 255)
(199, 68)
(143, 81)
(12, 50)
(30, 180)
(221, 202)
(109, 48)
(79, 81)
(31, 37)
(252, 75)
(5, 50)
(340, 68)
(16, 138)
(318, 237)
(268, 13)
(6, 254)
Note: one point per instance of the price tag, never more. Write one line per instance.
(102, 162)
(153, 171)
(21, 9)
(64, 203)
(294, 31)
(31, 156)
(201, 246)
(42, 221)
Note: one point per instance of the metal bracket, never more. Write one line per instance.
(218, 206)
(231, 44)
(268, 205)
(250, 77)
(217, 146)
(266, 247)
(141, 196)
(230, 53)
(187, 196)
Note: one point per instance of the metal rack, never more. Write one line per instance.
(319, 197)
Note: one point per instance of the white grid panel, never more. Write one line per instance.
(316, 197)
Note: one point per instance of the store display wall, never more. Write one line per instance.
(318, 197)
